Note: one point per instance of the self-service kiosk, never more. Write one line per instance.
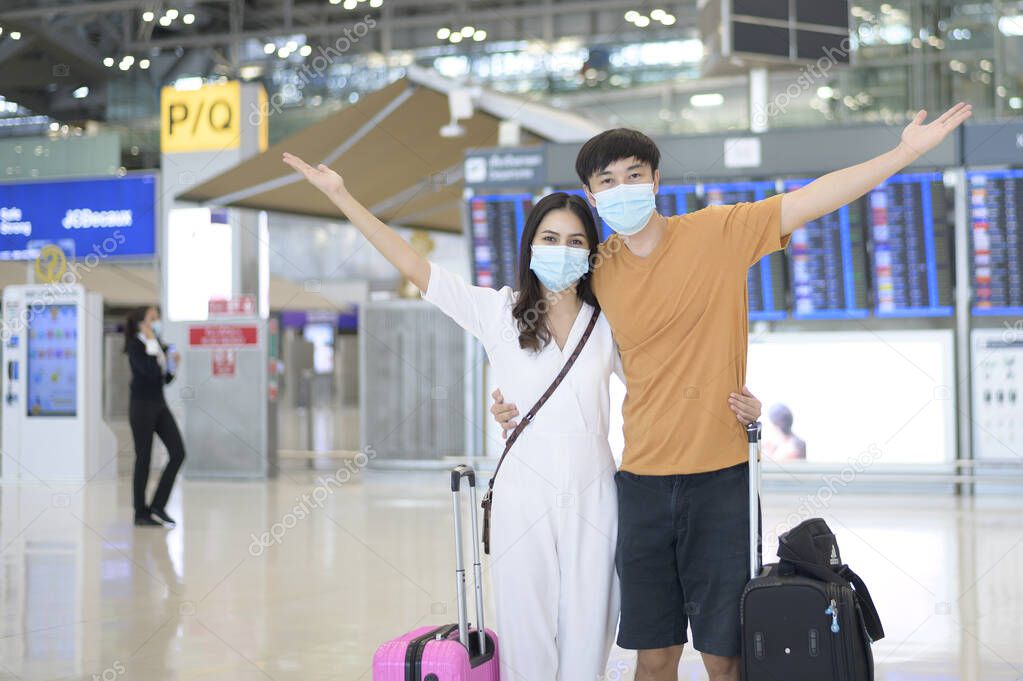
(53, 426)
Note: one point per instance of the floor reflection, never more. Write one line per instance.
(301, 578)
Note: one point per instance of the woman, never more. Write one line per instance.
(148, 412)
(555, 504)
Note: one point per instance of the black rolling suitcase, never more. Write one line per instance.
(807, 617)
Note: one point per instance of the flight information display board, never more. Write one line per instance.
(53, 361)
(497, 223)
(828, 264)
(912, 247)
(766, 280)
(996, 218)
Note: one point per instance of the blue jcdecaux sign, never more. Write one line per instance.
(111, 217)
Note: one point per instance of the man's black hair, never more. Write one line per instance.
(613, 145)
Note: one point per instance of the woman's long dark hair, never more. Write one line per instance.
(530, 311)
(131, 323)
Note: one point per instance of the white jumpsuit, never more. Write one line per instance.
(555, 512)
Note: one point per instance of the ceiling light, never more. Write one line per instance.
(250, 71)
(165, 21)
(305, 50)
(269, 48)
(443, 33)
(108, 61)
(668, 19)
(350, 4)
(147, 16)
(631, 15)
(283, 53)
(456, 37)
(81, 93)
(188, 18)
(124, 66)
(467, 31)
(658, 14)
(143, 64)
(1011, 26)
(128, 59)
(707, 99)
(375, 3)
(54, 127)
(642, 21)
(1016, 102)
(479, 35)
(291, 45)
(172, 13)
(335, 2)
(15, 35)
(188, 83)
(825, 92)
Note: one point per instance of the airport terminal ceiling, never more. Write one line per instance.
(101, 63)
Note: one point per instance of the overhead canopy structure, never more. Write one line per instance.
(137, 285)
(389, 149)
(120, 285)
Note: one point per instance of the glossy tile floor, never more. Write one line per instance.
(302, 576)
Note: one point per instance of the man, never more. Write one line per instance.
(674, 290)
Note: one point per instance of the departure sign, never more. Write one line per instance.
(912, 238)
(996, 218)
(766, 280)
(828, 259)
(497, 223)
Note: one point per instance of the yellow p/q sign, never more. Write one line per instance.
(207, 119)
(51, 263)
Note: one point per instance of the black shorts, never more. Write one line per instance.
(683, 558)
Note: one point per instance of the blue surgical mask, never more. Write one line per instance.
(558, 267)
(627, 207)
(157, 327)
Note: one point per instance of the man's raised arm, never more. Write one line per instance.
(834, 190)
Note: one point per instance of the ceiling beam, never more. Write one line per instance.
(85, 8)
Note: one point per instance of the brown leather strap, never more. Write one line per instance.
(514, 435)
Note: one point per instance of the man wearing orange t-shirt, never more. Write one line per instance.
(674, 291)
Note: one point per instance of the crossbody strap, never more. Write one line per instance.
(547, 394)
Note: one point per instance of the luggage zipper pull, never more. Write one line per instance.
(833, 611)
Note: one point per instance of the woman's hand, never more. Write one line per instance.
(503, 413)
(745, 406)
(321, 177)
(176, 357)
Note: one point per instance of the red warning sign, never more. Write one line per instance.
(223, 335)
(223, 362)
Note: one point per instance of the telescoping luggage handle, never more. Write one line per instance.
(457, 473)
(753, 437)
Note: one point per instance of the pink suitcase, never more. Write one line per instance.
(452, 652)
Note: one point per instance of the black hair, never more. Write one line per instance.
(781, 416)
(132, 321)
(613, 145)
(530, 311)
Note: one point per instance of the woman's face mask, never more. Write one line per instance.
(626, 208)
(157, 327)
(558, 267)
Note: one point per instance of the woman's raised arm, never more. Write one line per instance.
(398, 252)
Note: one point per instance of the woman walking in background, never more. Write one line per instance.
(148, 412)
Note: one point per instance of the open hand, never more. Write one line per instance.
(919, 138)
(321, 177)
(745, 406)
